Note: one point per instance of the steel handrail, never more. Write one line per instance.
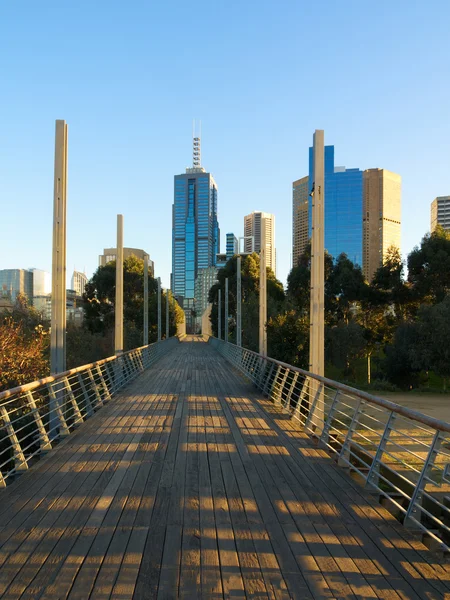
(398, 453)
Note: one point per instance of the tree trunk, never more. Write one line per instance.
(368, 368)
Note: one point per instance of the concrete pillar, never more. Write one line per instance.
(167, 314)
(263, 292)
(225, 337)
(316, 352)
(159, 309)
(118, 337)
(238, 303)
(219, 316)
(58, 322)
(145, 300)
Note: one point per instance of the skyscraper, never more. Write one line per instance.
(252, 229)
(195, 229)
(300, 203)
(381, 217)
(343, 208)
(440, 212)
(362, 213)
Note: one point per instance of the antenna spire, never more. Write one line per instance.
(196, 154)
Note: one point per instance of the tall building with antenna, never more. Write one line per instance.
(195, 229)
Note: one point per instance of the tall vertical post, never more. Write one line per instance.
(219, 316)
(58, 322)
(159, 309)
(167, 314)
(118, 337)
(145, 300)
(58, 329)
(238, 304)
(226, 310)
(316, 351)
(263, 292)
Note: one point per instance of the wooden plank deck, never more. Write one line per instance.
(190, 485)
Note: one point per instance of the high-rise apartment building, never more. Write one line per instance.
(440, 212)
(381, 217)
(252, 229)
(232, 247)
(109, 254)
(195, 229)
(79, 281)
(300, 204)
(16, 281)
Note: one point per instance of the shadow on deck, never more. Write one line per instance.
(190, 485)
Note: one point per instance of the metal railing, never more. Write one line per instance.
(398, 453)
(34, 416)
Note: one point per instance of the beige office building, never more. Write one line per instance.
(252, 229)
(299, 218)
(440, 212)
(109, 254)
(381, 217)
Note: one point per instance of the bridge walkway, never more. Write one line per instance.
(189, 484)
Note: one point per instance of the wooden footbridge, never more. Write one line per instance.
(191, 483)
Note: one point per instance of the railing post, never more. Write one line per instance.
(103, 380)
(44, 441)
(327, 424)
(20, 463)
(312, 421)
(88, 404)
(413, 513)
(344, 454)
(267, 381)
(292, 388)
(275, 392)
(303, 395)
(94, 387)
(76, 409)
(374, 471)
(63, 429)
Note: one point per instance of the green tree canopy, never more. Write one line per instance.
(429, 267)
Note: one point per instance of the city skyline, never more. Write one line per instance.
(129, 102)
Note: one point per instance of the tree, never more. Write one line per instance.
(249, 295)
(344, 287)
(345, 342)
(288, 338)
(429, 267)
(99, 303)
(431, 352)
(23, 353)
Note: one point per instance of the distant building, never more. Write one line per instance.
(15, 282)
(79, 281)
(440, 212)
(252, 229)
(232, 247)
(300, 204)
(42, 282)
(43, 304)
(74, 307)
(343, 208)
(109, 255)
(206, 278)
(195, 229)
(381, 217)
(362, 213)
(221, 260)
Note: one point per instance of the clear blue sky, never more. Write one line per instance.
(129, 77)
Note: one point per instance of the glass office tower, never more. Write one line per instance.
(195, 229)
(343, 208)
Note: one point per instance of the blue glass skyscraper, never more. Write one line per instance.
(343, 208)
(195, 229)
